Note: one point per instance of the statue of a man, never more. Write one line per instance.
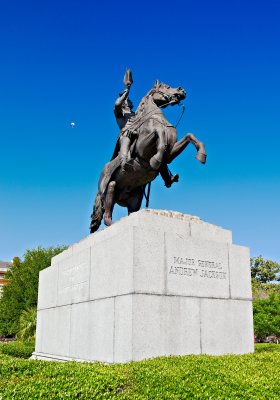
(124, 114)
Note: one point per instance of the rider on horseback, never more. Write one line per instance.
(153, 142)
(125, 117)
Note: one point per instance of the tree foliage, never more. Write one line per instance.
(22, 290)
(267, 316)
(27, 324)
(264, 270)
(263, 290)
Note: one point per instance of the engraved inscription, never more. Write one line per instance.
(73, 278)
(191, 267)
(182, 271)
(185, 261)
(213, 274)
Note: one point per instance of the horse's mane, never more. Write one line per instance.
(144, 101)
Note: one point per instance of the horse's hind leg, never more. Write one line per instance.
(182, 144)
(134, 202)
(109, 203)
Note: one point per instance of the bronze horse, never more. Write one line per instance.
(155, 145)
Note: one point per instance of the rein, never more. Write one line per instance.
(165, 104)
(183, 110)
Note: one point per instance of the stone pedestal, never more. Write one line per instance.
(154, 283)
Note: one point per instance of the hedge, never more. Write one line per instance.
(252, 376)
(17, 349)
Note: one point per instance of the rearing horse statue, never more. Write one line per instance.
(155, 145)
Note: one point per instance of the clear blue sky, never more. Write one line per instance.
(64, 61)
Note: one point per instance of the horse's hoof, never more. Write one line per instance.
(201, 157)
(107, 221)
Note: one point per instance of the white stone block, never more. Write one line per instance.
(102, 336)
(196, 267)
(74, 278)
(111, 265)
(226, 326)
(162, 221)
(203, 230)
(54, 332)
(154, 283)
(148, 261)
(123, 339)
(240, 272)
(47, 295)
(83, 244)
(80, 334)
(92, 330)
(39, 332)
(165, 325)
(62, 256)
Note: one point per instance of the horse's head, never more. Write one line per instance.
(164, 95)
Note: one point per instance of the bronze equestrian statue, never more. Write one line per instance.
(125, 116)
(146, 144)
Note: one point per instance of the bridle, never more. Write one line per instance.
(170, 102)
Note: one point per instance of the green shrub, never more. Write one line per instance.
(267, 316)
(231, 377)
(17, 349)
(264, 347)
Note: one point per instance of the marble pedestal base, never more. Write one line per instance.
(154, 283)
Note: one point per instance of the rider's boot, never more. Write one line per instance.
(167, 176)
(124, 149)
(171, 180)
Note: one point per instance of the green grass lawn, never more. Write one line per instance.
(252, 376)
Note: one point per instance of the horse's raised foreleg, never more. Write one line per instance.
(182, 144)
(109, 203)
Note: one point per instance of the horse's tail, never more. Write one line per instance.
(97, 214)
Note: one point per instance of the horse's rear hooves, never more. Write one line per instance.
(107, 221)
(201, 157)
